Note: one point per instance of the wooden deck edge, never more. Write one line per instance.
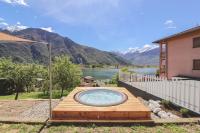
(149, 122)
(24, 122)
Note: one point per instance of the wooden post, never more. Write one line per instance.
(50, 83)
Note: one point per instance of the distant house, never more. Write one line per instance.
(88, 79)
(180, 54)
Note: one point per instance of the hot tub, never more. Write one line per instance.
(100, 97)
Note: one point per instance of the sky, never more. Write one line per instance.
(110, 25)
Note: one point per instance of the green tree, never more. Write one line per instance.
(65, 73)
(32, 73)
(114, 79)
(6, 67)
(124, 69)
(22, 75)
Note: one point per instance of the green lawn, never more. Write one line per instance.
(23, 128)
(19, 128)
(35, 95)
(122, 129)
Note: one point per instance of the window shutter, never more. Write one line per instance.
(196, 64)
(196, 42)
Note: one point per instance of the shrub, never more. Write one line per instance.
(6, 87)
(114, 79)
(184, 111)
(166, 103)
(124, 69)
(157, 72)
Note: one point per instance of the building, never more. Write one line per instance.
(180, 54)
(88, 79)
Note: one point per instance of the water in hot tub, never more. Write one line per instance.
(101, 97)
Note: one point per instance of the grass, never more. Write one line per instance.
(19, 128)
(169, 128)
(123, 129)
(35, 95)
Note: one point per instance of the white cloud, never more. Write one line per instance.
(16, 2)
(170, 24)
(2, 24)
(17, 27)
(49, 29)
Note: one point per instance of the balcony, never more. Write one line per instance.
(163, 55)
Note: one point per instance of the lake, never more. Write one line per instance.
(101, 74)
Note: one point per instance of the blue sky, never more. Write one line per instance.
(109, 25)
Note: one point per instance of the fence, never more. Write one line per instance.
(183, 92)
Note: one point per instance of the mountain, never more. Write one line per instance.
(148, 55)
(38, 52)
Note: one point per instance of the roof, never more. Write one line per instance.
(88, 77)
(11, 38)
(178, 34)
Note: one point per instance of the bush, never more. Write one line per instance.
(157, 72)
(124, 69)
(6, 87)
(166, 103)
(114, 79)
(184, 111)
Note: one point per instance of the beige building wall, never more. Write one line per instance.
(181, 54)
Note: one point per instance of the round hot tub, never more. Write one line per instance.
(100, 97)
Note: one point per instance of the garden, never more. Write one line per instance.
(31, 80)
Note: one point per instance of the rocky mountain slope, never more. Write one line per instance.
(38, 52)
(148, 55)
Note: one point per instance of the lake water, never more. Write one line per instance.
(101, 74)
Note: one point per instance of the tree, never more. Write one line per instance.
(32, 73)
(65, 73)
(22, 75)
(114, 79)
(6, 67)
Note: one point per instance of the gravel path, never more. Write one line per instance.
(39, 111)
(25, 110)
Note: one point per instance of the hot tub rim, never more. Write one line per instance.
(125, 98)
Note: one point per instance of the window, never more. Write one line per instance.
(163, 47)
(196, 42)
(196, 64)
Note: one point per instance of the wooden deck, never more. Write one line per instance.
(69, 109)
